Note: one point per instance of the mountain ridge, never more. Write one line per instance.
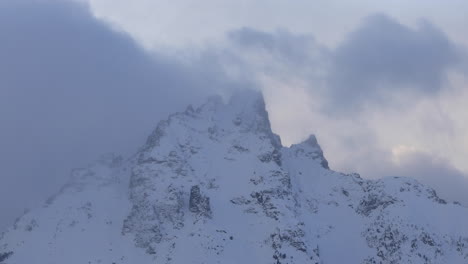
(215, 185)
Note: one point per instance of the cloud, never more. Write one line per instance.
(297, 51)
(386, 84)
(72, 88)
(383, 58)
(382, 62)
(436, 172)
(282, 44)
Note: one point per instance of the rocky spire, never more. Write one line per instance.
(310, 148)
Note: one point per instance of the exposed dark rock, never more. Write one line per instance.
(199, 203)
(4, 256)
(263, 198)
(291, 238)
(275, 156)
(155, 136)
(240, 148)
(171, 211)
(387, 241)
(32, 224)
(433, 195)
(345, 192)
(372, 202)
(240, 201)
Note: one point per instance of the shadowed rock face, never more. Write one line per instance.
(199, 204)
(373, 202)
(4, 256)
(213, 184)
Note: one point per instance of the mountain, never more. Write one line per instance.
(215, 185)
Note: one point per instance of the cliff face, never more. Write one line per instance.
(215, 185)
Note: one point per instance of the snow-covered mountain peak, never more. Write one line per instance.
(311, 141)
(310, 149)
(213, 184)
(249, 111)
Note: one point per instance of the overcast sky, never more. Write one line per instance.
(381, 83)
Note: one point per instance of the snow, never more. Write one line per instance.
(259, 202)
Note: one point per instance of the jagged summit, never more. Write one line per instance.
(311, 141)
(245, 112)
(213, 184)
(311, 150)
(240, 101)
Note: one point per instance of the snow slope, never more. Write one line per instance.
(215, 185)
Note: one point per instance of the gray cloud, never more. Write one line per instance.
(383, 58)
(280, 55)
(365, 156)
(71, 89)
(361, 81)
(450, 183)
(284, 45)
(379, 61)
(296, 50)
(437, 173)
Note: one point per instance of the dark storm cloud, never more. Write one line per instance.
(71, 89)
(383, 58)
